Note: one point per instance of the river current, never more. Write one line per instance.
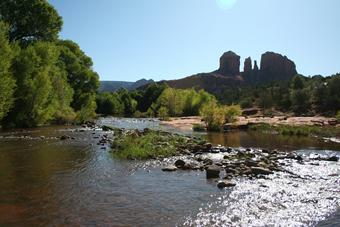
(45, 181)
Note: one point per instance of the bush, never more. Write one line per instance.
(214, 116)
(163, 113)
(199, 128)
(231, 113)
(338, 116)
(246, 103)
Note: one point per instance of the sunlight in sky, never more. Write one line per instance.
(226, 4)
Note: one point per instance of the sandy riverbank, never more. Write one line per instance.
(186, 123)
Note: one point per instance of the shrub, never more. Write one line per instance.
(198, 128)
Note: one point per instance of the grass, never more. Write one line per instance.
(326, 131)
(147, 145)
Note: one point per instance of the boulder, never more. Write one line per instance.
(225, 184)
(229, 64)
(169, 169)
(179, 163)
(212, 171)
(261, 170)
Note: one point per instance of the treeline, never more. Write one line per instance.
(154, 101)
(42, 79)
(301, 96)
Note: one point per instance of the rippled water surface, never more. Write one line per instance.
(46, 181)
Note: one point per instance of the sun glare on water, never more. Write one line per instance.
(226, 4)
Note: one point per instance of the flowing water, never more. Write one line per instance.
(48, 182)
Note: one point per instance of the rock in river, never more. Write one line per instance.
(213, 172)
(225, 184)
(260, 170)
(179, 163)
(169, 168)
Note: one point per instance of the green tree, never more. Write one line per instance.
(34, 69)
(7, 82)
(83, 80)
(297, 82)
(109, 104)
(300, 101)
(30, 20)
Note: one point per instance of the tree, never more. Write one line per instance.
(300, 101)
(213, 116)
(109, 104)
(30, 20)
(83, 80)
(297, 82)
(7, 82)
(34, 70)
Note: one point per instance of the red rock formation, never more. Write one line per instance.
(256, 68)
(277, 67)
(229, 64)
(247, 65)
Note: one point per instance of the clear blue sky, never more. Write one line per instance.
(168, 39)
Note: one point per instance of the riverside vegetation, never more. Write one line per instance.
(48, 80)
(43, 79)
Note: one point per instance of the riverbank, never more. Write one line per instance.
(310, 124)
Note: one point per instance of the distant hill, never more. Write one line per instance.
(112, 86)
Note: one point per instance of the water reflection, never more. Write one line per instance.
(268, 141)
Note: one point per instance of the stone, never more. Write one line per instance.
(64, 137)
(229, 64)
(212, 171)
(179, 163)
(261, 170)
(333, 159)
(225, 184)
(169, 169)
(106, 128)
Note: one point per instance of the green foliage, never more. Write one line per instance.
(43, 80)
(163, 113)
(297, 82)
(213, 115)
(154, 144)
(199, 128)
(338, 116)
(87, 111)
(297, 130)
(30, 20)
(83, 80)
(109, 104)
(7, 82)
(145, 98)
(246, 103)
(181, 102)
(231, 113)
(34, 71)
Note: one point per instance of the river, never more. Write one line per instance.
(46, 181)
